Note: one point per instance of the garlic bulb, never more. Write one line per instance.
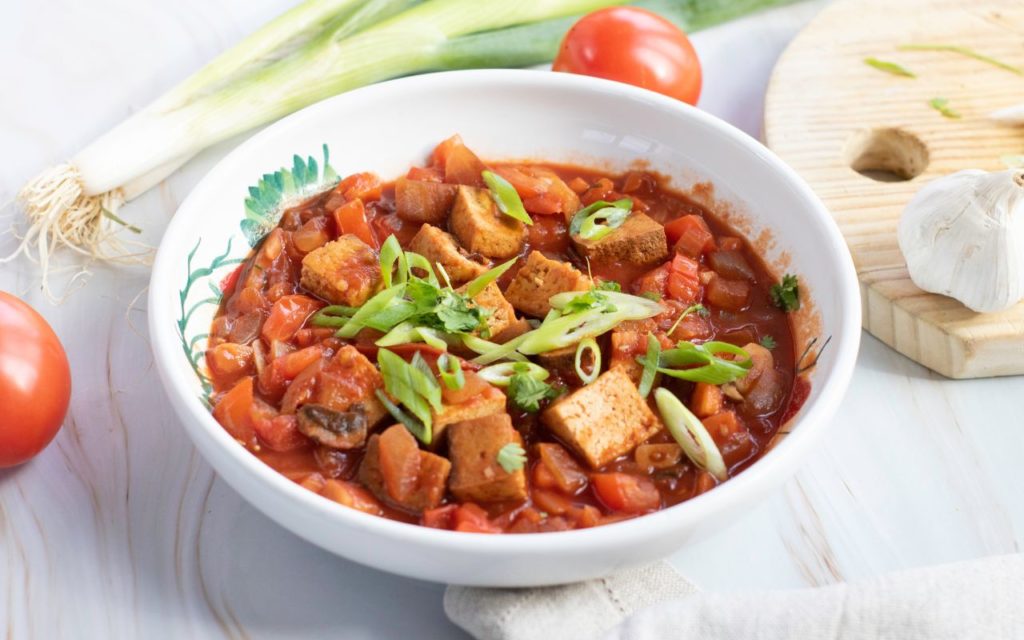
(963, 236)
(1010, 116)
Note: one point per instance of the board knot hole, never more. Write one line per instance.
(886, 154)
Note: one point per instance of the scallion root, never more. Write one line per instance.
(59, 214)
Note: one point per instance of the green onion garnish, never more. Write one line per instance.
(416, 261)
(690, 433)
(511, 457)
(585, 345)
(450, 370)
(371, 307)
(702, 363)
(942, 106)
(506, 197)
(491, 351)
(964, 51)
(650, 363)
(333, 316)
(414, 386)
(479, 283)
(585, 223)
(391, 253)
(889, 67)
(500, 375)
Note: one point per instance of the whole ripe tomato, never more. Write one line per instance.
(35, 382)
(634, 46)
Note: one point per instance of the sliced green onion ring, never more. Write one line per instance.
(584, 345)
(713, 370)
(492, 351)
(506, 197)
(690, 433)
(500, 375)
(617, 298)
(416, 261)
(391, 253)
(334, 316)
(479, 283)
(589, 211)
(450, 370)
(650, 363)
(371, 307)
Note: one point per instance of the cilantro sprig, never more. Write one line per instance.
(786, 294)
(527, 393)
(511, 457)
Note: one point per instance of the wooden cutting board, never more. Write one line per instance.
(835, 119)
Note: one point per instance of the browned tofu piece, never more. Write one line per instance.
(345, 271)
(473, 447)
(517, 328)
(489, 402)
(439, 247)
(539, 279)
(603, 420)
(349, 380)
(639, 242)
(431, 474)
(502, 314)
(481, 228)
(423, 201)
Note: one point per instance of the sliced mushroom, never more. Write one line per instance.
(335, 429)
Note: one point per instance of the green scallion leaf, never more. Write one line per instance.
(511, 457)
(479, 283)
(889, 67)
(691, 434)
(420, 431)
(333, 316)
(703, 365)
(500, 375)
(371, 307)
(414, 386)
(450, 370)
(416, 261)
(506, 197)
(964, 51)
(942, 106)
(786, 294)
(391, 254)
(650, 362)
(587, 221)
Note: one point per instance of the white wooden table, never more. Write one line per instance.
(120, 530)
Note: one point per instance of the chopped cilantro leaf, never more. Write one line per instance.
(608, 285)
(768, 342)
(527, 393)
(512, 457)
(592, 299)
(786, 294)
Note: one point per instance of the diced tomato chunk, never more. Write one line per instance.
(463, 167)
(292, 364)
(543, 477)
(362, 186)
(706, 400)
(230, 360)
(439, 157)
(690, 235)
(728, 294)
(568, 474)
(281, 433)
(626, 492)
(399, 462)
(311, 236)
(705, 482)
(732, 265)
(578, 185)
(441, 517)
(544, 204)
(472, 518)
(426, 174)
(654, 281)
(731, 436)
(351, 218)
(683, 279)
(287, 316)
(233, 412)
(351, 495)
(551, 502)
(526, 184)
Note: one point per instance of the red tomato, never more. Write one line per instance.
(287, 316)
(625, 492)
(634, 46)
(35, 382)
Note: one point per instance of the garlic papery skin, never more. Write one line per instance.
(963, 236)
(1010, 116)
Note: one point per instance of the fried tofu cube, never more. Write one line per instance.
(439, 247)
(539, 279)
(626, 346)
(488, 403)
(431, 473)
(345, 271)
(639, 242)
(603, 420)
(349, 379)
(481, 228)
(473, 447)
(502, 314)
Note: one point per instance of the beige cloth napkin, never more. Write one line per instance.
(981, 599)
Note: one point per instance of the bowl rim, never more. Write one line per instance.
(776, 464)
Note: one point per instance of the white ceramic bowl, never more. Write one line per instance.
(501, 114)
